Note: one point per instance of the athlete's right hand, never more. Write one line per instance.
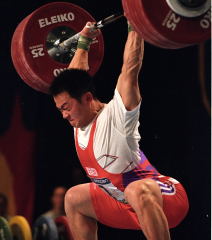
(89, 30)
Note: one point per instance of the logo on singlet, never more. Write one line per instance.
(91, 171)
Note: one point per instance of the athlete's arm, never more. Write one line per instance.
(127, 84)
(80, 59)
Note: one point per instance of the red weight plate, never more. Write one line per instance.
(154, 36)
(138, 21)
(135, 14)
(127, 6)
(63, 228)
(144, 24)
(34, 64)
(174, 28)
(19, 60)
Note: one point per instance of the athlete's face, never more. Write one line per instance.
(77, 113)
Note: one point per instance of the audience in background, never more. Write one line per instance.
(4, 206)
(57, 201)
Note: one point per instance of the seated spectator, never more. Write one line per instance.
(57, 201)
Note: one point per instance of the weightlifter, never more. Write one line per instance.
(126, 191)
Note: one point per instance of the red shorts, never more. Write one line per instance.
(115, 214)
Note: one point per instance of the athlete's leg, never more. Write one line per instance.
(145, 198)
(80, 212)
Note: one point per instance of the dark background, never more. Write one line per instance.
(175, 126)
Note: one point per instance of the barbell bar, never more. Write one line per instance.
(66, 45)
(45, 41)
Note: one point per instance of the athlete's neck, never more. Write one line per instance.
(95, 108)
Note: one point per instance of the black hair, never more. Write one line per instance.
(74, 81)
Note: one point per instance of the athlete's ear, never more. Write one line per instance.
(87, 97)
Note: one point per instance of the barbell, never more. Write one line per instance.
(45, 41)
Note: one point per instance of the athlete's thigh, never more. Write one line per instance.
(112, 212)
(175, 201)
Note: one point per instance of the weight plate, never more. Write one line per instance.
(155, 37)
(174, 28)
(135, 15)
(165, 28)
(20, 228)
(5, 232)
(45, 229)
(19, 61)
(63, 228)
(38, 33)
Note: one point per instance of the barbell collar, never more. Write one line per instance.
(191, 11)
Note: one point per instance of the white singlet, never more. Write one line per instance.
(116, 139)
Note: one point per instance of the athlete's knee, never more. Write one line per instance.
(143, 192)
(71, 197)
(74, 197)
(78, 200)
